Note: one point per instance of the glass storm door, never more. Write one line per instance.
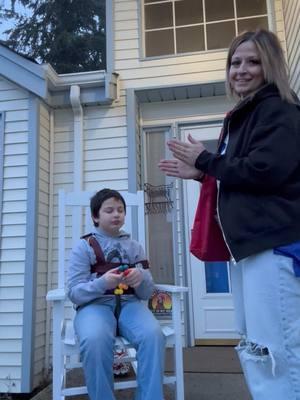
(213, 313)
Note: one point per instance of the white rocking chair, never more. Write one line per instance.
(73, 208)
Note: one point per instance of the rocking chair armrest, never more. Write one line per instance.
(56, 295)
(172, 288)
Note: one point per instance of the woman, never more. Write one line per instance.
(258, 168)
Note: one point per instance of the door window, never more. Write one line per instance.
(216, 277)
(159, 207)
(216, 273)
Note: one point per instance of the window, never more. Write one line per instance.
(183, 26)
(216, 277)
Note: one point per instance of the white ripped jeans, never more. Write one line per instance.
(266, 296)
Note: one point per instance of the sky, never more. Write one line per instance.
(4, 25)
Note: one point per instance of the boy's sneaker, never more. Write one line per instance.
(120, 368)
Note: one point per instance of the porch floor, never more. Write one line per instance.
(210, 373)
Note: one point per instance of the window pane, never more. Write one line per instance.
(158, 16)
(216, 277)
(188, 12)
(220, 35)
(217, 10)
(190, 39)
(250, 24)
(159, 43)
(248, 8)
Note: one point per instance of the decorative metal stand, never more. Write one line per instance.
(159, 198)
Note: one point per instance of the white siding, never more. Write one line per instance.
(292, 28)
(42, 246)
(104, 148)
(14, 104)
(104, 155)
(182, 69)
(138, 139)
(279, 22)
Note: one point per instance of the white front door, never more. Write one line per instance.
(211, 290)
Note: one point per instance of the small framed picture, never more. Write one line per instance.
(160, 303)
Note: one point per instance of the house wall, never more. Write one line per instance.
(291, 13)
(181, 69)
(62, 155)
(104, 148)
(104, 155)
(42, 244)
(14, 104)
(24, 239)
(105, 144)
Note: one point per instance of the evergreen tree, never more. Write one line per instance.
(68, 34)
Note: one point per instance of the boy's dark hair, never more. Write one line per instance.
(98, 199)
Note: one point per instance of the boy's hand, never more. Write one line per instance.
(133, 277)
(112, 278)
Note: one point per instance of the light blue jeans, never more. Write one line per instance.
(95, 326)
(266, 296)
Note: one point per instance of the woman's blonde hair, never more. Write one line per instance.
(272, 60)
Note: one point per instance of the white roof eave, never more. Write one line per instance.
(58, 82)
(96, 87)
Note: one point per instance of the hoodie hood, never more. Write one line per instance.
(102, 234)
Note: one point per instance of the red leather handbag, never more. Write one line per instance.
(207, 241)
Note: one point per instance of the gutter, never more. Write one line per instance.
(78, 152)
(96, 87)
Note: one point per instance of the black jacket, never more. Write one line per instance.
(259, 192)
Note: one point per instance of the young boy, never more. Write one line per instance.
(108, 299)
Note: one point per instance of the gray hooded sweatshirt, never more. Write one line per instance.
(84, 287)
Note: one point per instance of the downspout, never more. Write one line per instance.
(78, 153)
(112, 86)
(271, 15)
(50, 245)
(77, 162)
(78, 136)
